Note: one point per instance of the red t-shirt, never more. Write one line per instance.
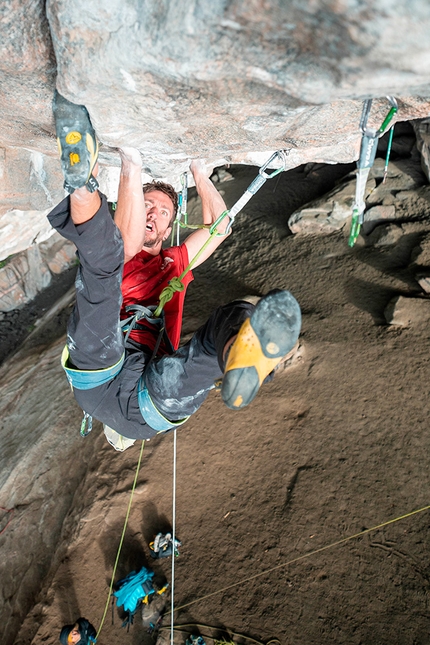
(144, 278)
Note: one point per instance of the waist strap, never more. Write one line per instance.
(151, 415)
(88, 379)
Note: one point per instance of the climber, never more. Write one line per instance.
(122, 384)
(80, 633)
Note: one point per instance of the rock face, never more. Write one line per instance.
(232, 82)
(335, 443)
(403, 196)
(227, 81)
(404, 312)
(32, 467)
(31, 271)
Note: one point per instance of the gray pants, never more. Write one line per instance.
(178, 384)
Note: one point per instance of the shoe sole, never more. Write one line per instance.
(263, 340)
(77, 144)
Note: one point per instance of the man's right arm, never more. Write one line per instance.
(130, 213)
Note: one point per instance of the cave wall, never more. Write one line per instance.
(228, 81)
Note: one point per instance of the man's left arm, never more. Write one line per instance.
(212, 207)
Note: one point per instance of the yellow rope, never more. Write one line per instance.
(302, 557)
(178, 628)
(121, 541)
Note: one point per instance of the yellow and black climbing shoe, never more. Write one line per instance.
(77, 144)
(263, 340)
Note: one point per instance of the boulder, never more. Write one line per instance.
(229, 82)
(389, 200)
(385, 235)
(376, 215)
(422, 131)
(420, 255)
(408, 312)
(423, 280)
(328, 214)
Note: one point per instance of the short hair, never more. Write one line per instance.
(86, 631)
(167, 189)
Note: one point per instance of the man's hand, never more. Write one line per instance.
(212, 207)
(199, 168)
(130, 155)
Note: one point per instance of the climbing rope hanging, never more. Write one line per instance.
(176, 283)
(368, 148)
(172, 585)
(121, 541)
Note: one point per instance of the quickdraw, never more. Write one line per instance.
(182, 210)
(368, 148)
(162, 546)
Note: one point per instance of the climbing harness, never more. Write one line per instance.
(176, 283)
(162, 546)
(146, 313)
(88, 379)
(153, 417)
(368, 148)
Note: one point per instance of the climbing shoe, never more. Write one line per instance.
(77, 144)
(117, 440)
(262, 342)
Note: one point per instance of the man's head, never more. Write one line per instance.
(161, 202)
(81, 633)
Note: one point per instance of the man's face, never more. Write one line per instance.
(159, 213)
(74, 636)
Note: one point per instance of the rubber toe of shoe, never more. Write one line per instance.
(262, 342)
(76, 141)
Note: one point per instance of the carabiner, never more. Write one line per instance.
(183, 196)
(365, 117)
(282, 154)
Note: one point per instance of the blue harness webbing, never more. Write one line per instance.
(89, 379)
(150, 412)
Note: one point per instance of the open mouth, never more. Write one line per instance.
(150, 227)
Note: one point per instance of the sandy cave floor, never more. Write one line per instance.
(337, 443)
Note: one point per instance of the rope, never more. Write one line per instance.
(173, 535)
(387, 156)
(121, 541)
(306, 555)
(175, 284)
(178, 628)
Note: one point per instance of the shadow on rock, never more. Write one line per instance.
(394, 259)
(370, 297)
